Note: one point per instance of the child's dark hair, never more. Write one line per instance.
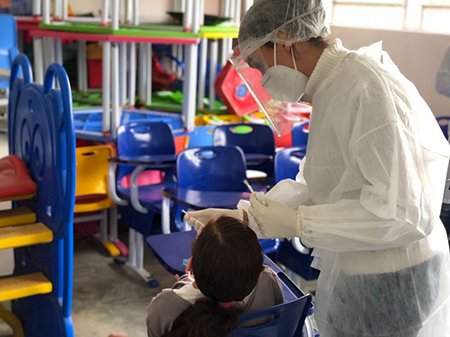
(226, 263)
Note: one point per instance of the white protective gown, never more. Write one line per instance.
(369, 194)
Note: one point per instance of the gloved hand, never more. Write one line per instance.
(199, 219)
(274, 220)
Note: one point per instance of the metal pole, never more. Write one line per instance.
(197, 12)
(58, 51)
(136, 12)
(237, 13)
(232, 11)
(106, 127)
(129, 11)
(123, 73)
(142, 73)
(115, 14)
(202, 73)
(188, 16)
(115, 77)
(105, 12)
(37, 6)
(80, 56)
(38, 61)
(57, 9)
(64, 10)
(212, 73)
(180, 57)
(148, 82)
(82, 70)
(46, 12)
(189, 85)
(132, 75)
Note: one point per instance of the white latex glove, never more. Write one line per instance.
(274, 220)
(199, 219)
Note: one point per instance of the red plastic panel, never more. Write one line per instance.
(14, 178)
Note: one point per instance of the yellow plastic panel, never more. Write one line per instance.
(92, 177)
(17, 216)
(15, 287)
(111, 248)
(25, 235)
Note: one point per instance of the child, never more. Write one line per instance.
(229, 279)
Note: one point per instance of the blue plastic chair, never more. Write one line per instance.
(288, 317)
(8, 46)
(300, 134)
(214, 168)
(140, 147)
(256, 141)
(443, 123)
(291, 253)
(41, 133)
(287, 162)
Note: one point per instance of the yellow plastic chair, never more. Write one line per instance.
(92, 195)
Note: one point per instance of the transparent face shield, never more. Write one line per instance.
(281, 115)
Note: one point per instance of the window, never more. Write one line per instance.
(425, 15)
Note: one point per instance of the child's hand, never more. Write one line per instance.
(188, 266)
(177, 278)
(116, 335)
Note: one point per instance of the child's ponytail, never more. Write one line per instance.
(227, 262)
(205, 318)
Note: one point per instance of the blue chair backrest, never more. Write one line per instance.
(288, 317)
(8, 40)
(201, 136)
(213, 168)
(287, 162)
(300, 133)
(140, 139)
(443, 123)
(251, 138)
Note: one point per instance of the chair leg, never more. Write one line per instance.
(113, 231)
(136, 258)
(109, 246)
(12, 320)
(165, 215)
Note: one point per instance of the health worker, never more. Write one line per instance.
(369, 191)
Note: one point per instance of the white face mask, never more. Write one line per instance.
(284, 83)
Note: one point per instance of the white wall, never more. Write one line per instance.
(418, 56)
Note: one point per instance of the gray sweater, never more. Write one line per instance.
(165, 307)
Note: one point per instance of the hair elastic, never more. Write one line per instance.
(226, 304)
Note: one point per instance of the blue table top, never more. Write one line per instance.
(256, 158)
(152, 161)
(205, 199)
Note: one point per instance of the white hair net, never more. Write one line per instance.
(281, 21)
